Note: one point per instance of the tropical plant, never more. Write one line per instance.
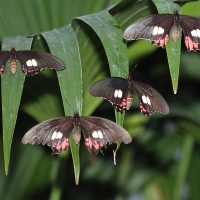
(161, 162)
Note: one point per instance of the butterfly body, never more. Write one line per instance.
(32, 62)
(13, 63)
(97, 133)
(157, 29)
(119, 91)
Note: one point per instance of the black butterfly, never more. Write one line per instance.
(157, 29)
(32, 62)
(97, 133)
(119, 92)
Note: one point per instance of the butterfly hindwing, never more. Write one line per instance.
(149, 99)
(32, 62)
(99, 131)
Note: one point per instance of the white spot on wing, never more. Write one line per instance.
(34, 63)
(195, 33)
(56, 135)
(29, 63)
(100, 134)
(97, 134)
(118, 93)
(115, 94)
(146, 100)
(155, 30)
(158, 30)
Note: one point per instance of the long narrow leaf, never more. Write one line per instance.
(110, 35)
(70, 79)
(173, 49)
(12, 86)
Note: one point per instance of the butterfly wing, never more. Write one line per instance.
(113, 89)
(4, 56)
(99, 131)
(153, 27)
(150, 100)
(32, 62)
(191, 30)
(54, 133)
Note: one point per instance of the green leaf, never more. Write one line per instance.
(183, 168)
(12, 86)
(35, 17)
(173, 49)
(70, 79)
(110, 36)
(126, 12)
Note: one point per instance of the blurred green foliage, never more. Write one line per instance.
(162, 162)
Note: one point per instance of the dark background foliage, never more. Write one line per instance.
(163, 160)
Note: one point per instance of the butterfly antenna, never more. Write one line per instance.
(133, 68)
(181, 2)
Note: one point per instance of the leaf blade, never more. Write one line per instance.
(12, 86)
(173, 49)
(70, 79)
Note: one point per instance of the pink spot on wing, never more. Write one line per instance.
(60, 145)
(143, 110)
(191, 46)
(93, 144)
(121, 106)
(161, 42)
(2, 69)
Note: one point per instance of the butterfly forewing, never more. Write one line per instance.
(97, 133)
(113, 89)
(149, 99)
(34, 61)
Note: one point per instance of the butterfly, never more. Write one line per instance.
(32, 62)
(119, 92)
(157, 29)
(97, 132)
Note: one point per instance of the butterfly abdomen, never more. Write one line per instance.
(129, 100)
(13, 66)
(13, 62)
(175, 27)
(77, 134)
(175, 32)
